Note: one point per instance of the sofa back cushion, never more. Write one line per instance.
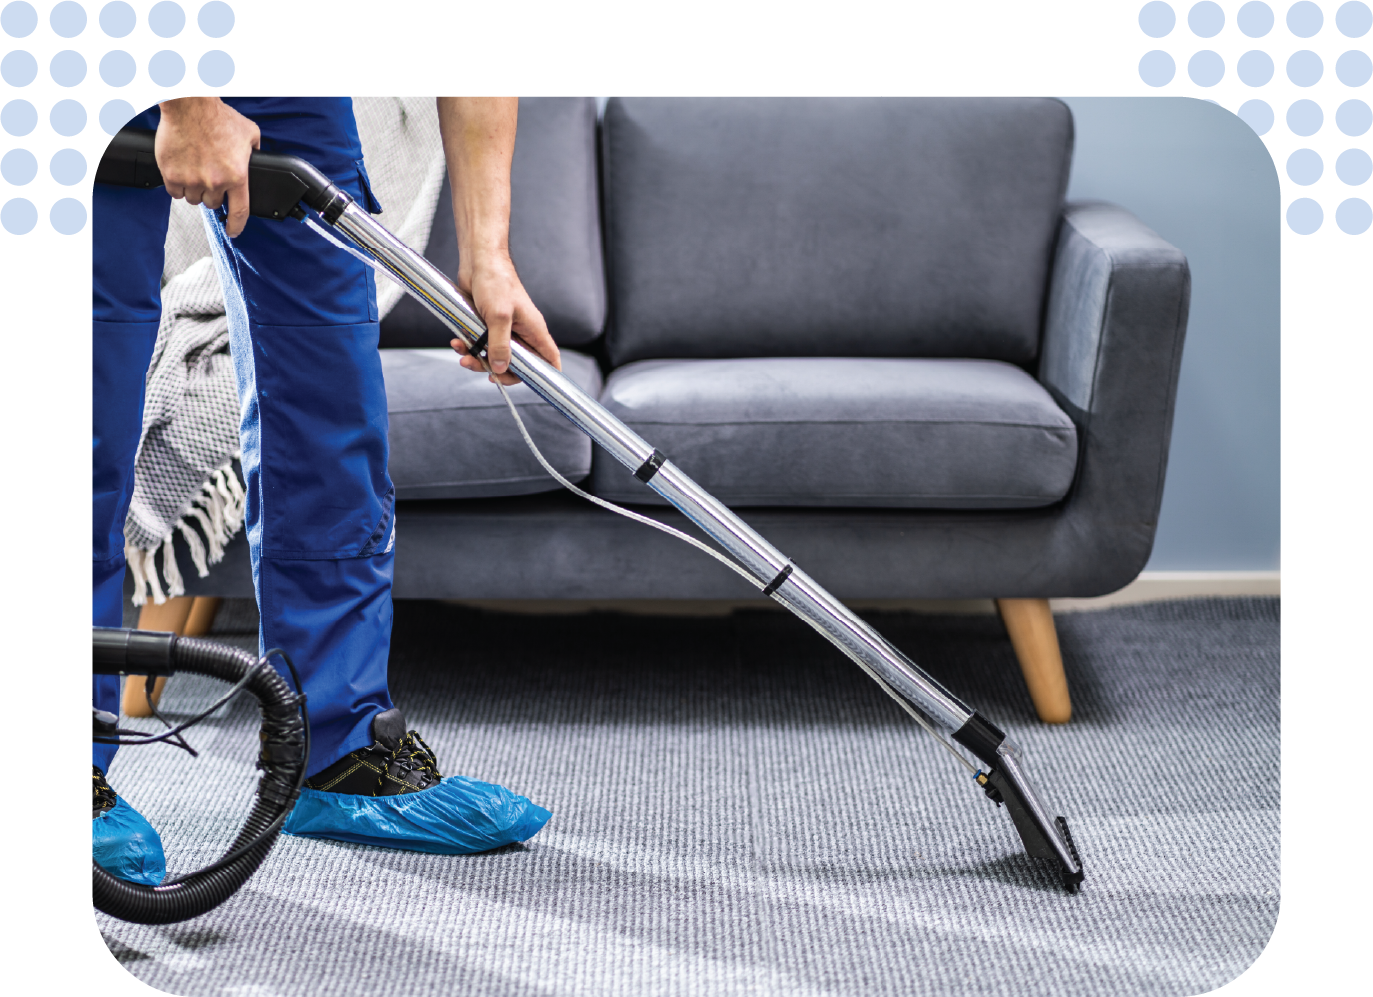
(555, 228)
(878, 227)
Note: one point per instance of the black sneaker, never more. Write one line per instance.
(397, 762)
(104, 795)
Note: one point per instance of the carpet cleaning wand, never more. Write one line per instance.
(285, 186)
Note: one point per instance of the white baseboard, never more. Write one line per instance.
(1150, 586)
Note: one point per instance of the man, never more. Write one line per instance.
(320, 510)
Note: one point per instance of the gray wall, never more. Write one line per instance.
(1197, 175)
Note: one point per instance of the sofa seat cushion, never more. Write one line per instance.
(808, 431)
(452, 436)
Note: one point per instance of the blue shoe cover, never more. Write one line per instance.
(459, 816)
(125, 845)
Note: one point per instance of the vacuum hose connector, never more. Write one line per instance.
(282, 760)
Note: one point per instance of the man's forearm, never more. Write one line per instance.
(478, 142)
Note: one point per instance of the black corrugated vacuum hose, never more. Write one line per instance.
(284, 749)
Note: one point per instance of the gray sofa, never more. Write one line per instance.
(873, 326)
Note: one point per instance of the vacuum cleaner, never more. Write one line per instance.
(282, 187)
(285, 749)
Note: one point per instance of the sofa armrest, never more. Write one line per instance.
(1113, 335)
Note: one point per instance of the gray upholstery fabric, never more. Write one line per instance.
(812, 431)
(1113, 339)
(555, 228)
(452, 436)
(815, 227)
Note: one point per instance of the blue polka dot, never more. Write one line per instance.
(1257, 115)
(19, 117)
(68, 19)
(167, 68)
(1157, 68)
(1156, 19)
(1255, 68)
(166, 19)
(215, 68)
(1354, 117)
(118, 68)
(68, 167)
(68, 216)
(1206, 68)
(19, 216)
(67, 118)
(1304, 19)
(19, 166)
(1255, 19)
(1354, 167)
(1206, 19)
(1354, 68)
(117, 19)
(216, 19)
(1354, 19)
(1305, 167)
(1354, 216)
(18, 68)
(68, 68)
(1304, 216)
(18, 19)
(115, 115)
(1305, 68)
(1305, 117)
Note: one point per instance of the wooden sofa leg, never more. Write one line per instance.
(1035, 640)
(191, 616)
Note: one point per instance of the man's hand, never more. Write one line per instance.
(504, 306)
(478, 142)
(202, 149)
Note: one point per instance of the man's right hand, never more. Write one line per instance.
(202, 149)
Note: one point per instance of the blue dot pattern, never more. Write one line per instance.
(18, 117)
(1354, 117)
(19, 166)
(18, 68)
(117, 68)
(1156, 19)
(1257, 115)
(68, 68)
(166, 68)
(18, 19)
(115, 115)
(1353, 68)
(1255, 19)
(1354, 167)
(1157, 68)
(1206, 68)
(166, 19)
(1354, 216)
(1305, 167)
(68, 167)
(68, 216)
(1255, 68)
(216, 19)
(67, 118)
(1305, 118)
(18, 216)
(1304, 19)
(1305, 68)
(1354, 19)
(1206, 19)
(1304, 216)
(117, 19)
(92, 26)
(68, 19)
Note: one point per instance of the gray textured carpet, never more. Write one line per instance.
(737, 810)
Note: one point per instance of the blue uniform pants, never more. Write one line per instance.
(303, 330)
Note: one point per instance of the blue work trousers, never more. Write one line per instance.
(303, 331)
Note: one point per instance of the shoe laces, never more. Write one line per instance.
(105, 797)
(413, 755)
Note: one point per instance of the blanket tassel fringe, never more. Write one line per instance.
(218, 511)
